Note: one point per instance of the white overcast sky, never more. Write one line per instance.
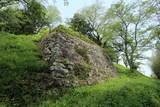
(75, 5)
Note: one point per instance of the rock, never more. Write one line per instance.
(74, 61)
(47, 51)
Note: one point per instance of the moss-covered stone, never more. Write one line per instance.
(73, 59)
(83, 52)
(82, 70)
(66, 61)
(70, 32)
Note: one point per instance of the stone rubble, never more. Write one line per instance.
(74, 62)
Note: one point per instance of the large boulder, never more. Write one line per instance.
(74, 60)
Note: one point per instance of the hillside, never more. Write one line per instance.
(25, 81)
(126, 90)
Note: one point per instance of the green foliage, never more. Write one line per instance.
(156, 64)
(36, 13)
(83, 53)
(4, 3)
(27, 20)
(2, 105)
(66, 61)
(19, 59)
(92, 15)
(156, 36)
(122, 91)
(111, 54)
(79, 24)
(72, 33)
(129, 30)
(82, 70)
(10, 19)
(121, 70)
(53, 16)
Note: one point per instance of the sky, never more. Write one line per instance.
(75, 6)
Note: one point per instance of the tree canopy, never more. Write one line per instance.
(125, 28)
(28, 18)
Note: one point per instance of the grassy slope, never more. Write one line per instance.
(126, 90)
(19, 57)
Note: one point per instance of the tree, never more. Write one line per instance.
(130, 26)
(93, 15)
(10, 20)
(156, 31)
(79, 24)
(156, 4)
(156, 64)
(53, 16)
(4, 3)
(36, 17)
(27, 20)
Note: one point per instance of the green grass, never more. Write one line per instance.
(72, 33)
(126, 90)
(19, 59)
(2, 105)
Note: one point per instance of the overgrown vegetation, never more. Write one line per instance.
(19, 60)
(79, 24)
(82, 70)
(126, 90)
(26, 16)
(72, 33)
(125, 30)
(83, 53)
(27, 20)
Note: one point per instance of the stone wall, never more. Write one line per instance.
(74, 62)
